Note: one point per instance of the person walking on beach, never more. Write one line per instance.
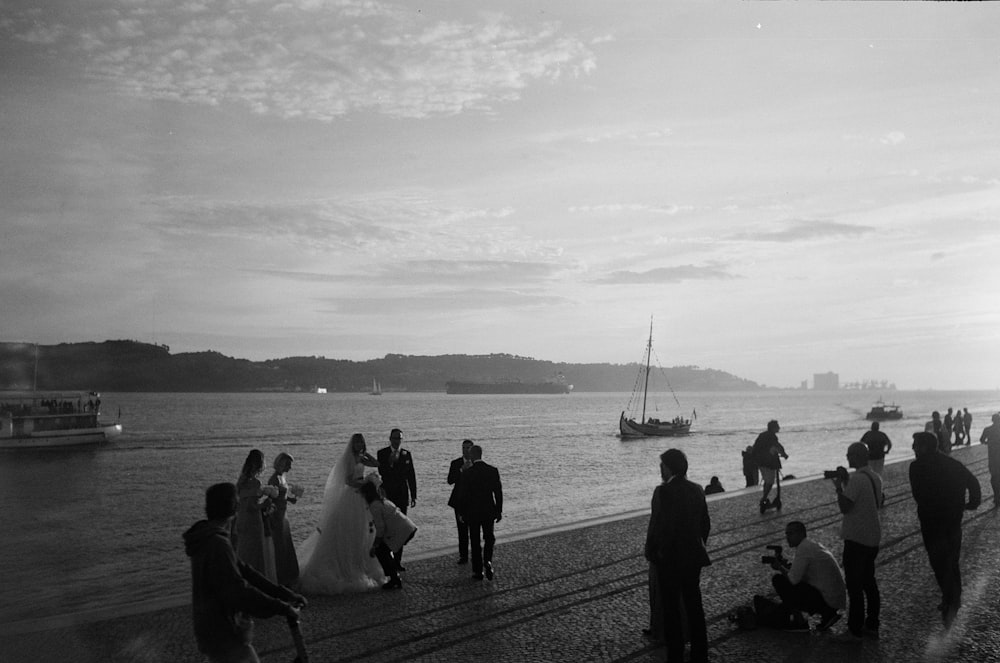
(480, 503)
(859, 499)
(750, 470)
(226, 592)
(940, 485)
(768, 452)
(285, 562)
(967, 422)
(991, 438)
(399, 479)
(455, 470)
(675, 542)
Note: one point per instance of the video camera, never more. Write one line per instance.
(839, 473)
(775, 558)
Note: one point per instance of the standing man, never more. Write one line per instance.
(879, 445)
(967, 422)
(675, 543)
(859, 498)
(225, 591)
(991, 438)
(458, 466)
(399, 480)
(750, 471)
(939, 484)
(769, 452)
(480, 500)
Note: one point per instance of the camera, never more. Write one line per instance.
(839, 473)
(775, 558)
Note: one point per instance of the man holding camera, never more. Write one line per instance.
(813, 582)
(859, 497)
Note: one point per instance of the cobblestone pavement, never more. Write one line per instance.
(581, 595)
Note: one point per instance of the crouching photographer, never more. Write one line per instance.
(813, 582)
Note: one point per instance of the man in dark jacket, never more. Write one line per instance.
(768, 452)
(675, 543)
(455, 470)
(939, 484)
(226, 593)
(399, 479)
(480, 503)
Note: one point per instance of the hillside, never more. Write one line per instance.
(133, 366)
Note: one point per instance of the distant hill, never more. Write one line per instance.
(133, 366)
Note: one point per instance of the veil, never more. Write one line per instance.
(334, 558)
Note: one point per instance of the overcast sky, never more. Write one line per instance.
(786, 188)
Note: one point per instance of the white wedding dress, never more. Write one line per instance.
(334, 559)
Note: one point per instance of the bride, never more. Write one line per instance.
(335, 557)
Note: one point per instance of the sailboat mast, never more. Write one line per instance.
(645, 386)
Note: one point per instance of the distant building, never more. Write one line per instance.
(826, 381)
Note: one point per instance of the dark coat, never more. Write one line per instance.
(678, 527)
(454, 477)
(399, 479)
(480, 494)
(939, 484)
(225, 591)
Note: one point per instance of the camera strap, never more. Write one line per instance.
(874, 490)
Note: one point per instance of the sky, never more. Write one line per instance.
(782, 188)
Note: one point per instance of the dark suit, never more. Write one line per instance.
(454, 477)
(675, 543)
(399, 480)
(480, 503)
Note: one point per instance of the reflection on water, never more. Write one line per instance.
(101, 525)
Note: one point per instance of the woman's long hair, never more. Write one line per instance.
(252, 466)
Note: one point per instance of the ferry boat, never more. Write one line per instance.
(507, 387)
(882, 412)
(33, 419)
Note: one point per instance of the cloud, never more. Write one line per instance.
(804, 231)
(615, 209)
(435, 272)
(892, 138)
(305, 59)
(443, 302)
(676, 274)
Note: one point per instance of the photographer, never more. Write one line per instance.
(812, 583)
(859, 497)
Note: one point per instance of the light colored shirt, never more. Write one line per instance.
(862, 524)
(815, 565)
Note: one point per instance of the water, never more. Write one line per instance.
(101, 526)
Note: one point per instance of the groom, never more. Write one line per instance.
(480, 504)
(399, 479)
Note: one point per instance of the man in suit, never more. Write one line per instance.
(675, 543)
(455, 471)
(399, 480)
(480, 502)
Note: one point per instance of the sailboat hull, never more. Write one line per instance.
(632, 428)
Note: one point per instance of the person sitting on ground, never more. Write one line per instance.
(714, 486)
(814, 583)
(226, 592)
(393, 530)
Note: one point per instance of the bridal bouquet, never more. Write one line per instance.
(296, 490)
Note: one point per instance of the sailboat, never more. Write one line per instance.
(376, 388)
(650, 427)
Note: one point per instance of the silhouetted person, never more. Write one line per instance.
(940, 484)
(991, 438)
(768, 452)
(879, 445)
(675, 541)
(967, 422)
(714, 486)
(480, 502)
(455, 471)
(750, 470)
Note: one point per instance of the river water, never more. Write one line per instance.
(101, 526)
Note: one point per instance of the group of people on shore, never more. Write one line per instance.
(244, 563)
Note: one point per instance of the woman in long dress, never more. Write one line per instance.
(334, 559)
(285, 561)
(253, 540)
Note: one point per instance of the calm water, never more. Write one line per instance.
(94, 527)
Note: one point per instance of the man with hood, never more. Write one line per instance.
(226, 593)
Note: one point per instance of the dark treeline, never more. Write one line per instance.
(134, 366)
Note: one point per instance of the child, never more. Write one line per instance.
(393, 530)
